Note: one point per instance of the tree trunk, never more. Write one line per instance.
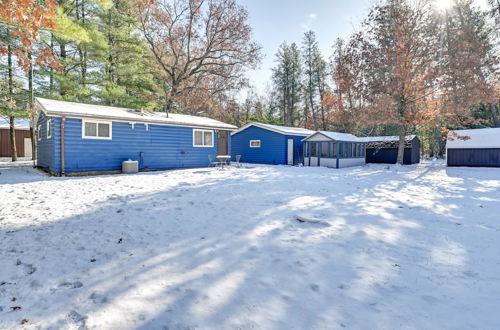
(401, 146)
(51, 70)
(33, 141)
(12, 129)
(62, 89)
(496, 120)
(32, 121)
(322, 111)
(13, 149)
(311, 101)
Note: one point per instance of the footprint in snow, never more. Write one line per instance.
(314, 287)
(342, 286)
(78, 319)
(29, 269)
(71, 285)
(98, 298)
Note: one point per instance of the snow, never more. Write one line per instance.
(19, 123)
(474, 138)
(399, 247)
(287, 130)
(384, 138)
(59, 108)
(337, 136)
(6, 162)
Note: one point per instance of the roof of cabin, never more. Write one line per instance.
(19, 123)
(474, 138)
(286, 130)
(385, 138)
(336, 136)
(72, 109)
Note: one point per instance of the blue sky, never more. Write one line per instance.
(275, 21)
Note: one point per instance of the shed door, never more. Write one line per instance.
(290, 152)
(222, 143)
(27, 148)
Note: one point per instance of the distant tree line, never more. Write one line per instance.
(185, 56)
(409, 69)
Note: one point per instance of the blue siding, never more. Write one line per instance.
(155, 147)
(388, 156)
(48, 150)
(484, 157)
(298, 149)
(273, 148)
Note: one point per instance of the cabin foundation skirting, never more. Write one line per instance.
(88, 173)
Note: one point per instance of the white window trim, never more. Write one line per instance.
(203, 138)
(97, 122)
(251, 146)
(49, 129)
(39, 133)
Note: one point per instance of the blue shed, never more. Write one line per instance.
(75, 138)
(384, 149)
(334, 150)
(474, 147)
(269, 144)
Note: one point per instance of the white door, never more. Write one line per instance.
(27, 148)
(290, 151)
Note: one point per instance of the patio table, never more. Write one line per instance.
(223, 159)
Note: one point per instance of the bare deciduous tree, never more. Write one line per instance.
(198, 44)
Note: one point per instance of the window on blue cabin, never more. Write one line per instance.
(96, 130)
(255, 143)
(203, 138)
(39, 132)
(49, 129)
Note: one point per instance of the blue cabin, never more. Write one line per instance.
(334, 150)
(384, 149)
(474, 147)
(268, 144)
(75, 138)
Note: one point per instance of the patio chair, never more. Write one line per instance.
(237, 161)
(211, 162)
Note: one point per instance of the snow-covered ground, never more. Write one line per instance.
(414, 247)
(6, 162)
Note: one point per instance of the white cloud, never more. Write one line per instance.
(312, 16)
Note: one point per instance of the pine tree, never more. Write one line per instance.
(287, 81)
(127, 78)
(310, 82)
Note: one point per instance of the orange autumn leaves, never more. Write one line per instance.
(25, 19)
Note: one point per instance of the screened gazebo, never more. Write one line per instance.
(335, 150)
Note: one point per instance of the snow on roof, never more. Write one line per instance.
(19, 123)
(336, 136)
(60, 108)
(474, 138)
(286, 130)
(385, 138)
